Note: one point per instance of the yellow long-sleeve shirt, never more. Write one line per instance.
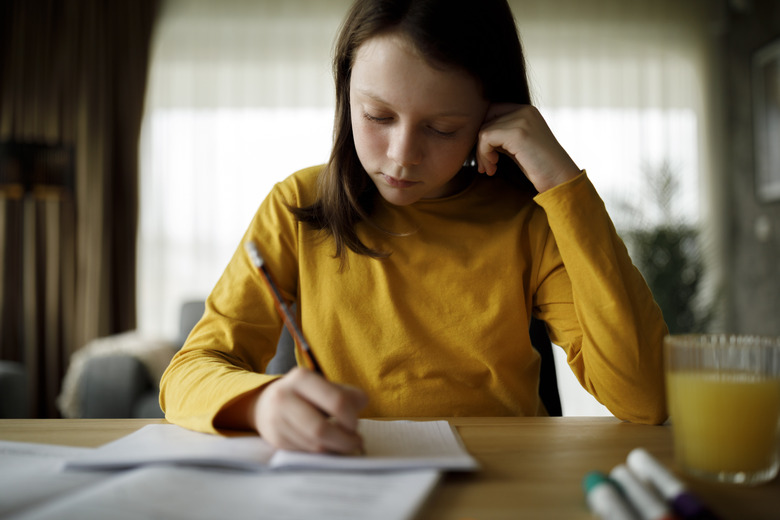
(440, 327)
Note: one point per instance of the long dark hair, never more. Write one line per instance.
(476, 36)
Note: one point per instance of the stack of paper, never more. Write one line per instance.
(389, 445)
(170, 472)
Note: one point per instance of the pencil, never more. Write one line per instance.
(281, 306)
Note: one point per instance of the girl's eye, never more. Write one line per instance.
(384, 120)
(441, 132)
(375, 119)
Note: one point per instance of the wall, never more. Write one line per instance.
(752, 228)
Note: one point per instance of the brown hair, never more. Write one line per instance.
(477, 36)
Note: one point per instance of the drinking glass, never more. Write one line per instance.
(723, 393)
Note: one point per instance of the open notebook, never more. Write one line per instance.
(389, 445)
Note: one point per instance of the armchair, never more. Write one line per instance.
(121, 385)
(13, 388)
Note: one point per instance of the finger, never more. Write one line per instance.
(300, 421)
(498, 110)
(329, 439)
(357, 400)
(333, 438)
(290, 422)
(487, 154)
(309, 430)
(289, 438)
(274, 405)
(341, 403)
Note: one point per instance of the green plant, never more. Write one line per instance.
(667, 251)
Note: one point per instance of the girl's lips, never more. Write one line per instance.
(397, 183)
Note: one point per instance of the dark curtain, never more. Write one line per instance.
(72, 74)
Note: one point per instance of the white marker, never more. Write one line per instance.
(647, 503)
(684, 504)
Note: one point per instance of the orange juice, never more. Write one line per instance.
(724, 422)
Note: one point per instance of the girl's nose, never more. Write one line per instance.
(404, 148)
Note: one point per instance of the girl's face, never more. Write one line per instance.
(413, 125)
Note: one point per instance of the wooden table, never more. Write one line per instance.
(532, 467)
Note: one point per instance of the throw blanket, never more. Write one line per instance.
(154, 354)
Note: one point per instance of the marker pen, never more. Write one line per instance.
(646, 502)
(604, 498)
(683, 503)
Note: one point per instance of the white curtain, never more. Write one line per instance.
(240, 95)
(623, 83)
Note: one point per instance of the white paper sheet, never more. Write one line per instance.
(32, 473)
(194, 493)
(171, 444)
(392, 445)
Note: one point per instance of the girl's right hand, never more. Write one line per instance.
(521, 132)
(303, 411)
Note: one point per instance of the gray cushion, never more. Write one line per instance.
(14, 402)
(110, 386)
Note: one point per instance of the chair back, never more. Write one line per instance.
(191, 313)
(548, 380)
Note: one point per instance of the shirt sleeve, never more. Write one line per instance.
(598, 307)
(227, 352)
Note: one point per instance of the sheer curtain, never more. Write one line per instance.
(240, 96)
(624, 86)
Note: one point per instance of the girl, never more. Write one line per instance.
(447, 216)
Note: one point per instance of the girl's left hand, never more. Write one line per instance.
(521, 132)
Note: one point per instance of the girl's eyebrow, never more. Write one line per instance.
(445, 113)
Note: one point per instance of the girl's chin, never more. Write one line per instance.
(398, 197)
